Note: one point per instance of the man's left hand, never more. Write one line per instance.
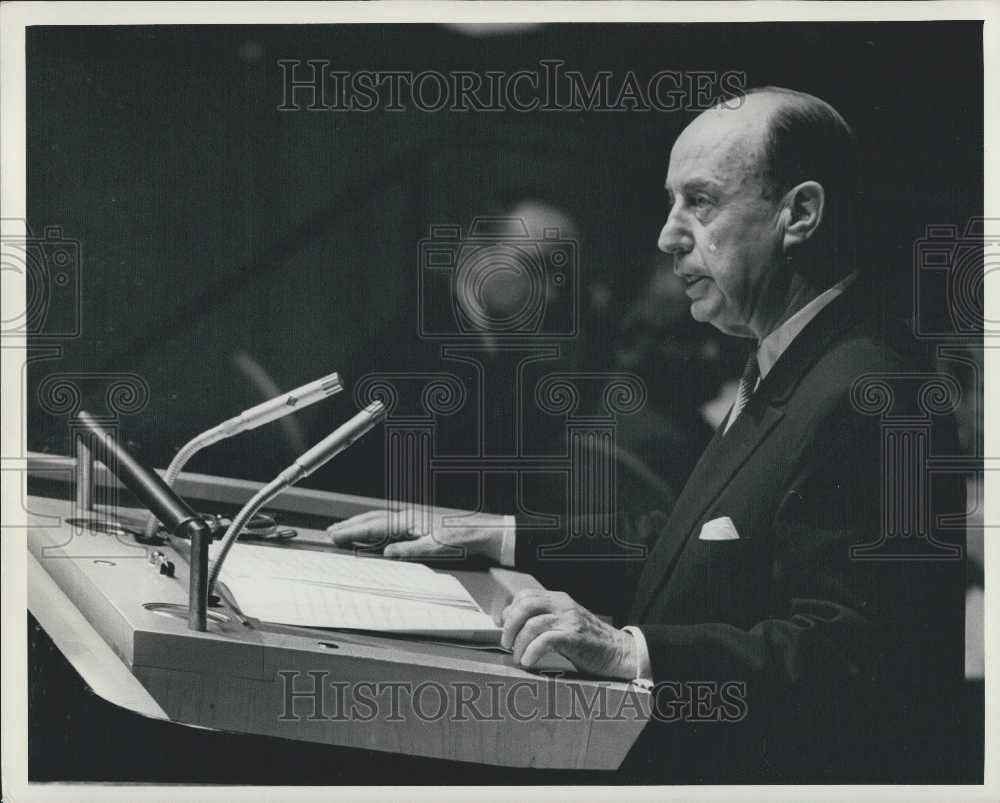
(537, 622)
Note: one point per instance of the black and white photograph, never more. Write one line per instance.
(469, 396)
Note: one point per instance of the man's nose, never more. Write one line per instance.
(675, 238)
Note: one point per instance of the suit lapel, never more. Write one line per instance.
(721, 460)
(726, 453)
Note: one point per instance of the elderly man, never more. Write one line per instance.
(751, 578)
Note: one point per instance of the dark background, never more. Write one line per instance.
(211, 224)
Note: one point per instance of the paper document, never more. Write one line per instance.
(322, 589)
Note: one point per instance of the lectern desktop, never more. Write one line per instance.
(111, 606)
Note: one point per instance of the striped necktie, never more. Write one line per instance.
(748, 383)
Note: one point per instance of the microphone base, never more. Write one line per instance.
(199, 536)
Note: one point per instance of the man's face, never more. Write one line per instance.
(724, 235)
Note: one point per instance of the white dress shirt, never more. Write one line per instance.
(768, 352)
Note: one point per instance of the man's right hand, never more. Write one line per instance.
(420, 533)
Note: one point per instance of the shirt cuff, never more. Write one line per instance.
(508, 541)
(643, 668)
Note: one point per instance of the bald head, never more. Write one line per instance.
(782, 137)
(805, 139)
(736, 139)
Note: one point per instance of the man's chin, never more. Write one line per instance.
(704, 313)
(710, 315)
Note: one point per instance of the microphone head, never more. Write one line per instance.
(286, 403)
(330, 384)
(341, 438)
(377, 411)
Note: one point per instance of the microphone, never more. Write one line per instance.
(252, 418)
(282, 405)
(169, 508)
(308, 462)
(334, 443)
(152, 491)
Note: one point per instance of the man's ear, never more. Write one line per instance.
(803, 212)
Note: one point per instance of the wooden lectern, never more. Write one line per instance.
(114, 616)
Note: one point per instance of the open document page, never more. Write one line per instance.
(322, 589)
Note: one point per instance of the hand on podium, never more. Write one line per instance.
(420, 532)
(537, 622)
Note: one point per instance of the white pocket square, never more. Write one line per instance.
(721, 529)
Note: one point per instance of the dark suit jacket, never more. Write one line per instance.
(851, 665)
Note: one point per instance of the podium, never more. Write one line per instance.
(114, 616)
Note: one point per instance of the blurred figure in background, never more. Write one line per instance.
(503, 293)
(687, 375)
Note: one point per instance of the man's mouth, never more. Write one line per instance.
(693, 281)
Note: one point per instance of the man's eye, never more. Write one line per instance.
(701, 201)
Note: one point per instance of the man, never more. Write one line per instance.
(751, 578)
